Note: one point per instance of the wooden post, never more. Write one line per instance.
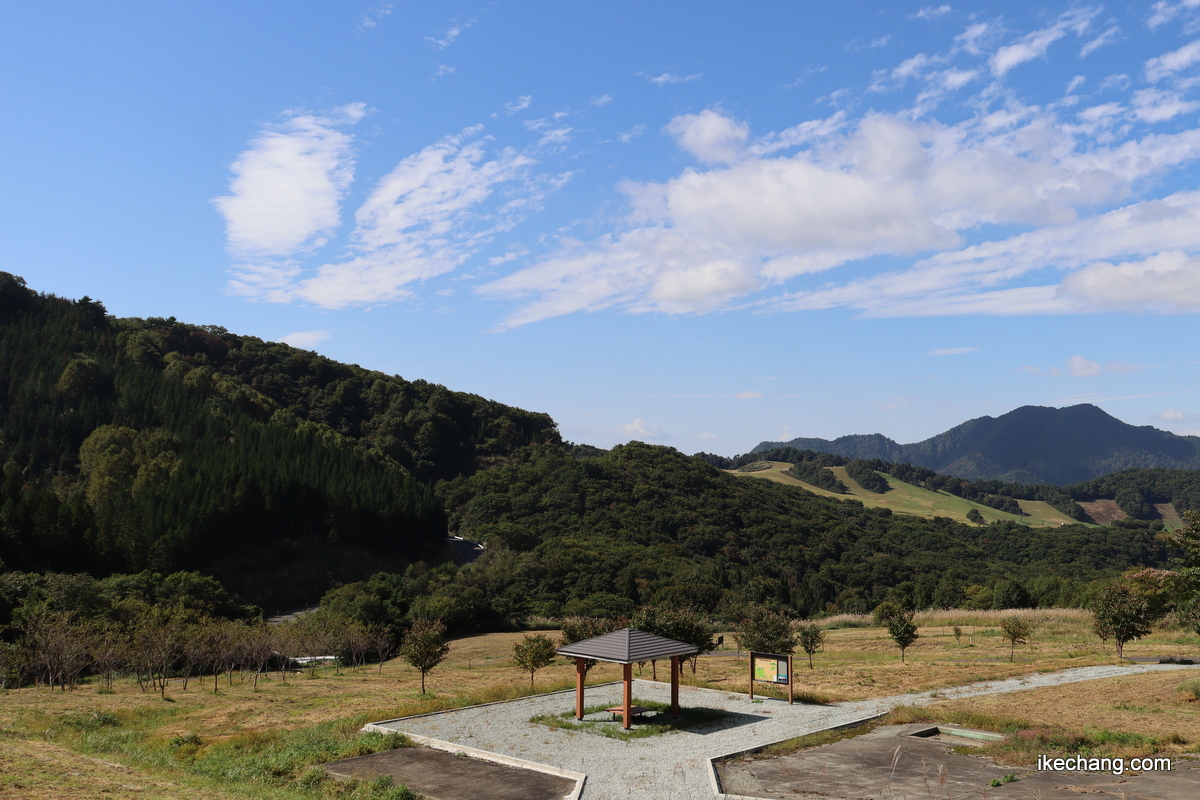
(674, 687)
(751, 654)
(627, 700)
(791, 680)
(580, 672)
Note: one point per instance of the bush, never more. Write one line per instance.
(865, 476)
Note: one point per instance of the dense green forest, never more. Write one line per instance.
(130, 445)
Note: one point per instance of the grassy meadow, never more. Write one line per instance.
(905, 498)
(242, 743)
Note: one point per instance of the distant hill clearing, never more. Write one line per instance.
(905, 498)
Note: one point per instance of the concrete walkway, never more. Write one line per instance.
(674, 766)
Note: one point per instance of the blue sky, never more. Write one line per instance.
(697, 224)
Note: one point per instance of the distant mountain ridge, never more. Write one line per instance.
(1031, 444)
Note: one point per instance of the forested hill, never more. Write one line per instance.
(131, 443)
(1031, 444)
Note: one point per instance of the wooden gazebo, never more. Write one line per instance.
(627, 647)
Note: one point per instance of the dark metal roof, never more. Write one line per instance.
(627, 646)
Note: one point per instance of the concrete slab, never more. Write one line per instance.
(891, 762)
(444, 776)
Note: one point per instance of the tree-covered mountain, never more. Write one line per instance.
(129, 444)
(150, 444)
(1031, 444)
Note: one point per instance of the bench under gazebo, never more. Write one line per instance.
(626, 647)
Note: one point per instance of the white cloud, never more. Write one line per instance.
(707, 435)
(1034, 45)
(370, 18)
(1120, 82)
(952, 351)
(1075, 83)
(510, 255)
(287, 188)
(1175, 61)
(443, 69)
(425, 218)
(710, 136)
(1155, 105)
(555, 137)
(628, 136)
(1108, 37)
(450, 35)
(520, 104)
(930, 12)
(640, 429)
(305, 340)
(886, 186)
(971, 40)
(880, 42)
(1170, 414)
(1164, 11)
(1080, 367)
(669, 77)
(748, 396)
(602, 100)
(1167, 282)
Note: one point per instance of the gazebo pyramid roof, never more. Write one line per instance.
(627, 646)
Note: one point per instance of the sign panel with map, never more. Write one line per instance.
(771, 668)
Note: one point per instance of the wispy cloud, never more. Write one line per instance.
(748, 396)
(520, 104)
(425, 218)
(602, 100)
(1035, 44)
(305, 340)
(952, 351)
(371, 17)
(1164, 11)
(641, 429)
(670, 77)
(628, 136)
(1108, 37)
(448, 38)
(1170, 63)
(930, 12)
(887, 185)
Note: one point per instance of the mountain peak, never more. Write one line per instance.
(1054, 445)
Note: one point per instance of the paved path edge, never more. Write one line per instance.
(485, 755)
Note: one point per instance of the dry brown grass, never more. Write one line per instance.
(38, 770)
(1151, 705)
(857, 663)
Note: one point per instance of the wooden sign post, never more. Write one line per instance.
(771, 668)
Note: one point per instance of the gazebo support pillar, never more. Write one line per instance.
(580, 674)
(627, 696)
(674, 687)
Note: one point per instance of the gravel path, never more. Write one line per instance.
(672, 766)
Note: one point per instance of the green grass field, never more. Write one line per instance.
(905, 498)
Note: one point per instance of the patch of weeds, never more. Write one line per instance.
(190, 740)
(688, 718)
(1133, 707)
(93, 721)
(1192, 687)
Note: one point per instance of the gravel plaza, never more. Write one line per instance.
(675, 766)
